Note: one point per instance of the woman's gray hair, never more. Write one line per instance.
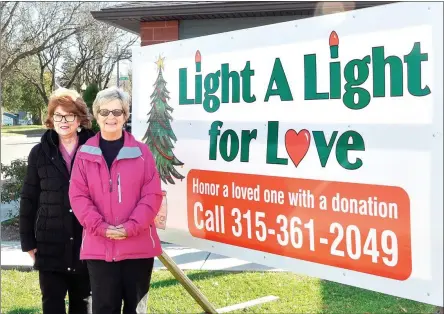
(110, 94)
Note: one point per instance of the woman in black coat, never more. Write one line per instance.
(49, 230)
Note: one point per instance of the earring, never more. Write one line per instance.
(79, 129)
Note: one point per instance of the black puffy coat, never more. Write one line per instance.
(46, 218)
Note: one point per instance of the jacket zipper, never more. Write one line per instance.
(110, 190)
(151, 236)
(83, 238)
(119, 188)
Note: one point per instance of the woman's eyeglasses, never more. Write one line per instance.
(68, 117)
(106, 112)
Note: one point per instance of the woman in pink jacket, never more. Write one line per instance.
(115, 194)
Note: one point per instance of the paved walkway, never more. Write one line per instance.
(186, 258)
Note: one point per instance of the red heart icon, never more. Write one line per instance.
(297, 144)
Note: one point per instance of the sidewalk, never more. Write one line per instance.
(186, 258)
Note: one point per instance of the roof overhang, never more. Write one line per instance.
(128, 17)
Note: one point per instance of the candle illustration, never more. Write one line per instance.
(334, 43)
(198, 59)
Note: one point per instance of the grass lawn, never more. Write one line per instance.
(297, 294)
(22, 130)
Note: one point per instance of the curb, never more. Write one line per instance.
(10, 243)
(4, 136)
(27, 268)
(17, 135)
(202, 263)
(18, 268)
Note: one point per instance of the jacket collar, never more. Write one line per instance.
(50, 140)
(129, 150)
(50, 145)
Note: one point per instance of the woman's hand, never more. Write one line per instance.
(122, 229)
(116, 233)
(32, 254)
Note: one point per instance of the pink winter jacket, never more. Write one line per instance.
(129, 194)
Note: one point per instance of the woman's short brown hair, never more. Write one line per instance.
(71, 102)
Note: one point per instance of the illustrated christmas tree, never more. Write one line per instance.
(159, 135)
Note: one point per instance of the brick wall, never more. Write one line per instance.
(158, 32)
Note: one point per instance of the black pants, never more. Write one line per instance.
(55, 285)
(112, 282)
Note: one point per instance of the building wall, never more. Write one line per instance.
(7, 120)
(158, 32)
(196, 28)
(163, 31)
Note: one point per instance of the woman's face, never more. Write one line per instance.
(111, 117)
(65, 123)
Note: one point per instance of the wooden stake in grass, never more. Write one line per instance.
(187, 283)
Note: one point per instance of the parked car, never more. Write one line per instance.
(25, 122)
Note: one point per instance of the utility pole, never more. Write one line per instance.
(118, 75)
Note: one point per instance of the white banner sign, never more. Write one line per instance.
(314, 146)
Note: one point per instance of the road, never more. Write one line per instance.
(13, 147)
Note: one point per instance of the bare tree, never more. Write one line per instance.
(101, 69)
(30, 28)
(100, 47)
(76, 57)
(42, 77)
(75, 50)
